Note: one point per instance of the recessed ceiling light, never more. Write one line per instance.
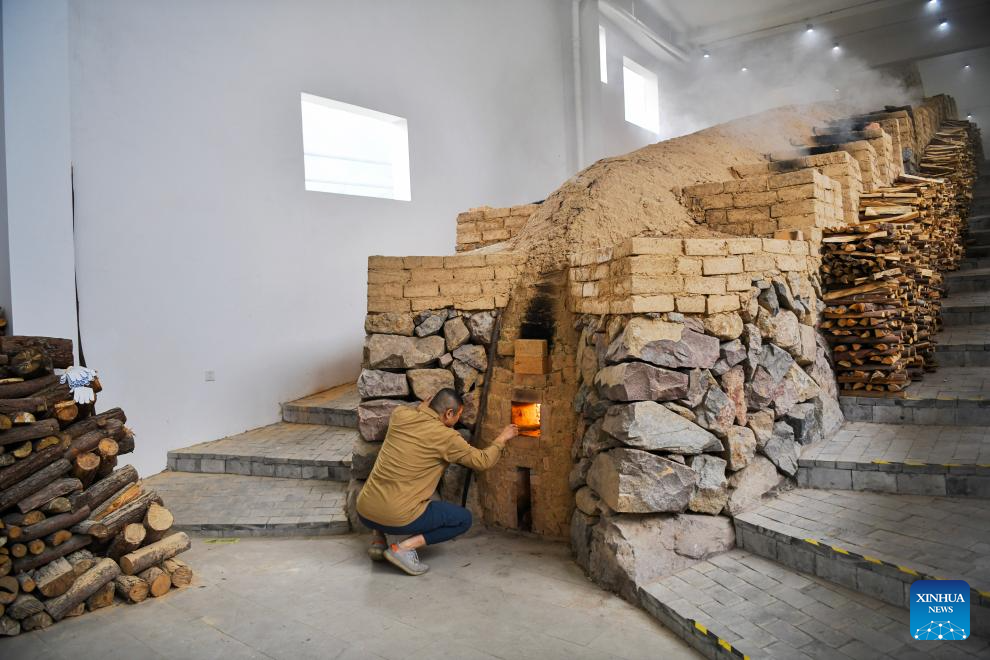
(965, 66)
(744, 69)
(706, 55)
(943, 24)
(835, 46)
(810, 28)
(969, 116)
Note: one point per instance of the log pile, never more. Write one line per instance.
(883, 277)
(77, 530)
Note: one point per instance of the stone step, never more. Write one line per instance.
(977, 239)
(294, 451)
(892, 458)
(970, 308)
(978, 251)
(950, 396)
(739, 604)
(334, 407)
(964, 346)
(978, 222)
(971, 279)
(234, 505)
(968, 263)
(876, 543)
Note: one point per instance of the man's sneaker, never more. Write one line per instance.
(377, 548)
(407, 560)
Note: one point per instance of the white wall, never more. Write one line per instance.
(4, 239)
(970, 87)
(38, 166)
(198, 248)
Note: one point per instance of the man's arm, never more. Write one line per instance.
(459, 451)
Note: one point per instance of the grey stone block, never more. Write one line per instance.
(884, 482)
(288, 471)
(883, 587)
(187, 464)
(921, 484)
(840, 571)
(967, 486)
(262, 469)
(213, 465)
(830, 478)
(798, 556)
(314, 472)
(893, 415)
(754, 541)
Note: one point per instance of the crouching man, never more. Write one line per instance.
(395, 500)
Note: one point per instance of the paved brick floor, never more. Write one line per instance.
(862, 442)
(232, 505)
(768, 611)
(487, 596)
(303, 444)
(945, 537)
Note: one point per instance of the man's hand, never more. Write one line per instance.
(507, 434)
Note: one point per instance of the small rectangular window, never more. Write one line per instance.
(602, 60)
(642, 95)
(350, 150)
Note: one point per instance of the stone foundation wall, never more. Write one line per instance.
(485, 225)
(465, 282)
(761, 205)
(837, 165)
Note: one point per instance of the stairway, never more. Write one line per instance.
(287, 478)
(899, 494)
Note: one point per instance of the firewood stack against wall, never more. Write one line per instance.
(77, 530)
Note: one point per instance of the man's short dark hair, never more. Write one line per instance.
(446, 399)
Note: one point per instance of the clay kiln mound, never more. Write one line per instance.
(637, 194)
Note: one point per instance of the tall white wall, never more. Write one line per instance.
(4, 238)
(38, 167)
(970, 87)
(199, 249)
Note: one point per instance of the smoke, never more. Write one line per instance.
(787, 70)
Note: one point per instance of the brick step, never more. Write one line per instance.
(876, 543)
(891, 458)
(740, 604)
(292, 451)
(234, 505)
(950, 396)
(971, 279)
(334, 407)
(969, 308)
(964, 346)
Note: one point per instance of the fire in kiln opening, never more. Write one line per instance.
(527, 417)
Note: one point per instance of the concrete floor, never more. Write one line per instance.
(487, 596)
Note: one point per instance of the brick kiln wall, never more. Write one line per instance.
(485, 225)
(689, 418)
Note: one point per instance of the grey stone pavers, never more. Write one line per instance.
(971, 279)
(234, 505)
(780, 613)
(294, 451)
(967, 308)
(875, 543)
(950, 396)
(964, 345)
(893, 458)
(334, 407)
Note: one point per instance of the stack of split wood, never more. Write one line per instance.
(883, 277)
(76, 529)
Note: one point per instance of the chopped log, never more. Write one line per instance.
(127, 540)
(66, 411)
(158, 520)
(38, 621)
(131, 588)
(26, 581)
(107, 466)
(85, 586)
(84, 467)
(9, 588)
(102, 598)
(6, 458)
(78, 610)
(125, 495)
(23, 451)
(55, 489)
(19, 434)
(47, 442)
(58, 538)
(56, 348)
(5, 422)
(95, 422)
(33, 483)
(100, 491)
(5, 565)
(55, 578)
(17, 390)
(55, 523)
(112, 523)
(23, 418)
(108, 447)
(158, 581)
(18, 550)
(24, 606)
(125, 444)
(32, 404)
(51, 554)
(81, 560)
(154, 554)
(180, 572)
(57, 506)
(13, 532)
(9, 627)
(32, 518)
(20, 470)
(90, 441)
(36, 547)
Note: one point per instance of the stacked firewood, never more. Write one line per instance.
(76, 530)
(883, 277)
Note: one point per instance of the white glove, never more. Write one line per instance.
(78, 379)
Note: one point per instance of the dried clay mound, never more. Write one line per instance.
(637, 194)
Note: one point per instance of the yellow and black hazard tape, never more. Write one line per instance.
(983, 597)
(947, 467)
(701, 629)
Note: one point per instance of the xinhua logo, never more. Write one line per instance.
(939, 609)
